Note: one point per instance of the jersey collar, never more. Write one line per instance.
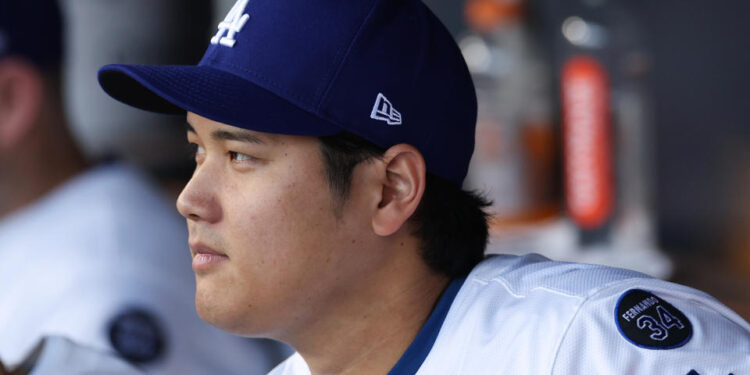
(415, 355)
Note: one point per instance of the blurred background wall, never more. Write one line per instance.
(700, 85)
(700, 88)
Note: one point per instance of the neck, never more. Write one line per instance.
(368, 332)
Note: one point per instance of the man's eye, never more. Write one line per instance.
(196, 151)
(238, 156)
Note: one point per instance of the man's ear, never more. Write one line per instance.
(21, 96)
(402, 188)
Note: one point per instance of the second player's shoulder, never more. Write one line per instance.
(127, 225)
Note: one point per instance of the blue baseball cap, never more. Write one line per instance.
(31, 29)
(385, 70)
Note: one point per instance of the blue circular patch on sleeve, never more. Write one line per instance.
(649, 322)
(137, 336)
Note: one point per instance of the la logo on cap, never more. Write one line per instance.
(232, 24)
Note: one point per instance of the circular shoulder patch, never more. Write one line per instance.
(137, 336)
(650, 322)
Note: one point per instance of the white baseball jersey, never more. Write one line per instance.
(104, 260)
(530, 315)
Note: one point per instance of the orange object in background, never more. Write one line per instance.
(485, 15)
(516, 150)
(540, 147)
(587, 147)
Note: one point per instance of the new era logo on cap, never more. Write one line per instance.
(231, 25)
(384, 111)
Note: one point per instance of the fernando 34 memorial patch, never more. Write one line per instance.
(650, 322)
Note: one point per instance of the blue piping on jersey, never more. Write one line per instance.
(415, 355)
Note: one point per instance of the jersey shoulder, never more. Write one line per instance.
(515, 309)
(524, 275)
(650, 326)
(533, 315)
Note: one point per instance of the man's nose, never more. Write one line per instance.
(198, 201)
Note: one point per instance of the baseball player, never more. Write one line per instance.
(92, 254)
(326, 211)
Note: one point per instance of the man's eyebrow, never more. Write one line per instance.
(226, 135)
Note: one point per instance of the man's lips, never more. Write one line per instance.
(205, 257)
(200, 248)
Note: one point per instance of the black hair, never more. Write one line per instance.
(450, 222)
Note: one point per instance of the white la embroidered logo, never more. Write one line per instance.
(383, 111)
(232, 24)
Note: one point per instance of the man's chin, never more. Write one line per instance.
(227, 317)
(214, 316)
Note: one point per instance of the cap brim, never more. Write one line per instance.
(211, 93)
